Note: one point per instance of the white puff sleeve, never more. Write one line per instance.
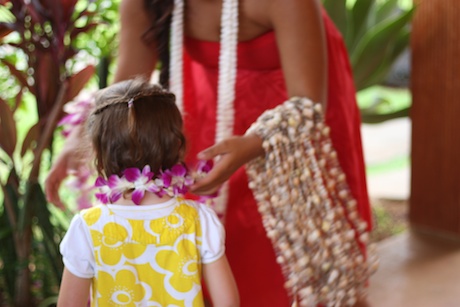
(213, 235)
(77, 250)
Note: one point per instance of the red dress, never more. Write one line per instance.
(260, 86)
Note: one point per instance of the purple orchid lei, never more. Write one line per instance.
(172, 182)
(175, 181)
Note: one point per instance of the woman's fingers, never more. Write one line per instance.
(57, 174)
(210, 183)
(218, 149)
(231, 154)
(52, 184)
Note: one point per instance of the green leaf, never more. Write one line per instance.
(401, 43)
(8, 134)
(337, 11)
(8, 256)
(375, 46)
(386, 10)
(8, 250)
(374, 118)
(393, 53)
(5, 14)
(360, 14)
(377, 76)
(52, 234)
(49, 301)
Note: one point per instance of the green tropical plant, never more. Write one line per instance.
(375, 33)
(101, 43)
(37, 51)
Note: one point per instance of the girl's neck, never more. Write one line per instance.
(148, 199)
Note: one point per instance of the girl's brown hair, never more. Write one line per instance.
(135, 124)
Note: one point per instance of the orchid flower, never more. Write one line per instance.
(174, 181)
(77, 112)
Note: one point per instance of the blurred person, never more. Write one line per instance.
(145, 245)
(285, 48)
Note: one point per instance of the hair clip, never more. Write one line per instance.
(130, 102)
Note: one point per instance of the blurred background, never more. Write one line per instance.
(51, 51)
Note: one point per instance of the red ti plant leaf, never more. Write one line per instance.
(68, 7)
(30, 139)
(20, 76)
(53, 11)
(76, 31)
(47, 82)
(8, 136)
(4, 31)
(78, 81)
(18, 99)
(36, 11)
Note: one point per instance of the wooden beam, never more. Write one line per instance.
(435, 86)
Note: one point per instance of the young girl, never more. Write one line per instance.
(146, 246)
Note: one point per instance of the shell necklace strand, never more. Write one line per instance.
(226, 79)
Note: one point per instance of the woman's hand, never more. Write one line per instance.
(233, 153)
(70, 158)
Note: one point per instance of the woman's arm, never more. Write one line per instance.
(70, 158)
(74, 291)
(298, 25)
(221, 284)
(135, 56)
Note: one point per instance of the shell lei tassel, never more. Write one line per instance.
(307, 209)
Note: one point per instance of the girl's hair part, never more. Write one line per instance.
(135, 124)
(160, 12)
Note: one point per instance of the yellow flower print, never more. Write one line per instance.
(92, 215)
(180, 265)
(114, 243)
(181, 220)
(123, 290)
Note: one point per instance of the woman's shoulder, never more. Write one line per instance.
(129, 9)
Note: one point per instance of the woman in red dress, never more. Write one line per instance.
(286, 48)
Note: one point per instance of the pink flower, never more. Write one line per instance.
(77, 112)
(118, 186)
(104, 191)
(204, 166)
(174, 181)
(79, 183)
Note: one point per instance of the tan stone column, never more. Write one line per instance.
(435, 178)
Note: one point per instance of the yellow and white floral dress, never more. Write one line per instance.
(144, 255)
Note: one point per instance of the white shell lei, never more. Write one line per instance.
(176, 79)
(227, 74)
(307, 208)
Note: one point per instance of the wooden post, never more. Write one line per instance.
(435, 85)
